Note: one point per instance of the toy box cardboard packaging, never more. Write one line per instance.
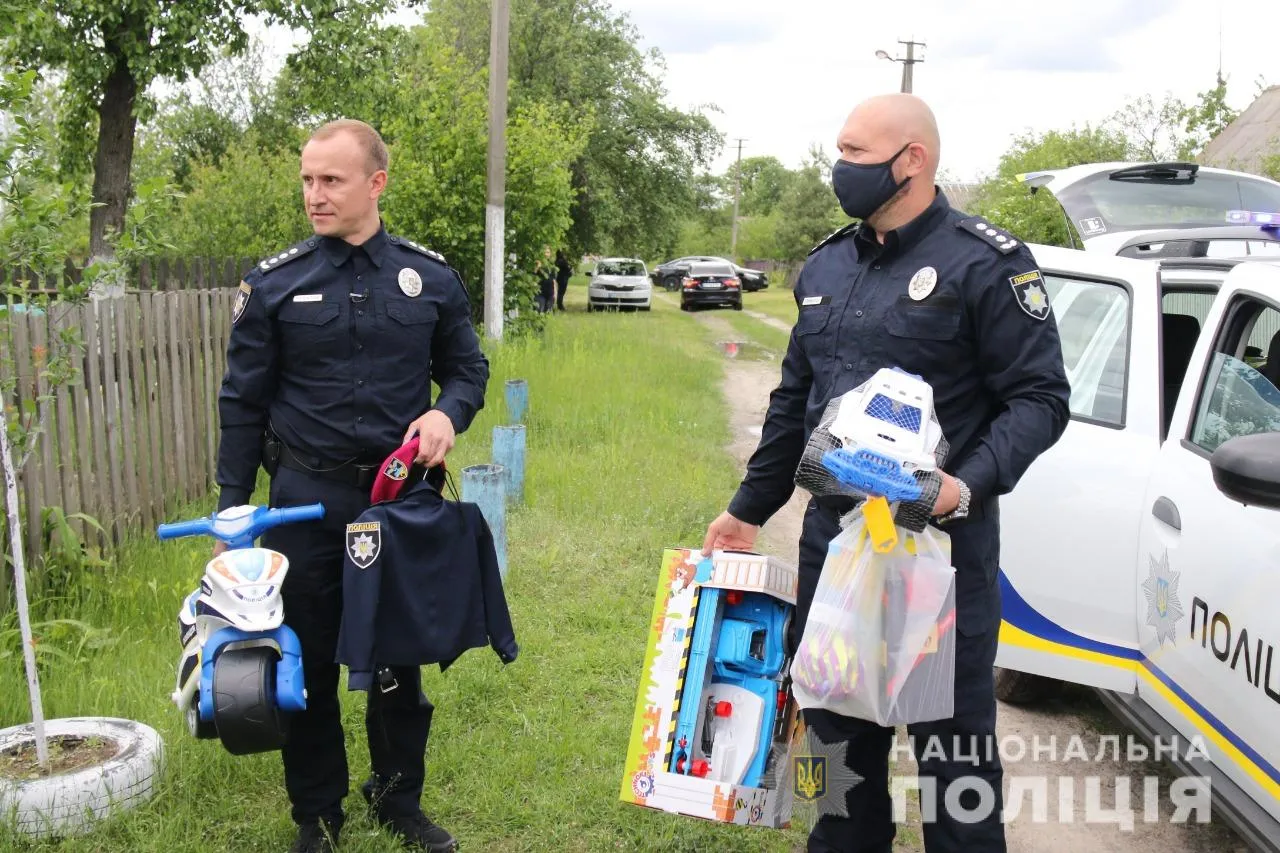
(715, 723)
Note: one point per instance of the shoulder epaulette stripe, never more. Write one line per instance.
(422, 250)
(289, 254)
(835, 235)
(1001, 240)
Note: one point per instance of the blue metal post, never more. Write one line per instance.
(517, 395)
(483, 485)
(508, 451)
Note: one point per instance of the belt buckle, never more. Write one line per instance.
(385, 675)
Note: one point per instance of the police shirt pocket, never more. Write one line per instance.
(937, 319)
(812, 319)
(309, 328)
(412, 313)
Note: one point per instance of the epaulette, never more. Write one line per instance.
(1002, 240)
(289, 254)
(422, 250)
(836, 235)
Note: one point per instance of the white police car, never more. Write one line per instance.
(1141, 554)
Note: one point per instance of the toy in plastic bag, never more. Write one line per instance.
(880, 441)
(879, 643)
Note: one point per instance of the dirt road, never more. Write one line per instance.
(1052, 759)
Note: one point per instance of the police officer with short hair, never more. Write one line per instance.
(334, 345)
(917, 285)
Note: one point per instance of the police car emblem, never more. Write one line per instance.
(410, 282)
(1028, 287)
(242, 302)
(396, 470)
(364, 542)
(922, 283)
(1164, 608)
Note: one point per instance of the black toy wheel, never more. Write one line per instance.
(198, 727)
(245, 712)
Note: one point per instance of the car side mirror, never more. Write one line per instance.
(1247, 469)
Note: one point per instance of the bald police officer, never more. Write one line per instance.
(334, 345)
(917, 285)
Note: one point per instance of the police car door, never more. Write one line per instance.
(1070, 528)
(1209, 568)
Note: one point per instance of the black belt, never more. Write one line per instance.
(355, 474)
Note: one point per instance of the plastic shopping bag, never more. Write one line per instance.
(879, 643)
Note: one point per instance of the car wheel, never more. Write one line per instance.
(646, 307)
(1023, 688)
(737, 306)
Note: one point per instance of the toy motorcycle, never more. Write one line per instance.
(240, 673)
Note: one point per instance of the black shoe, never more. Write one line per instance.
(315, 837)
(419, 832)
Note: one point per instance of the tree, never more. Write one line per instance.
(764, 180)
(633, 181)
(1206, 118)
(111, 52)
(1037, 217)
(1153, 131)
(808, 210)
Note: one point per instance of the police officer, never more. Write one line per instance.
(918, 285)
(334, 345)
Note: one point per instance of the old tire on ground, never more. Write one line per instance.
(1022, 688)
(71, 803)
(244, 701)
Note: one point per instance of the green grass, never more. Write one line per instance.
(770, 337)
(776, 302)
(625, 457)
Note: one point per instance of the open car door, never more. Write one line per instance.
(1069, 531)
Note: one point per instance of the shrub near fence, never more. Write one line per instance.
(136, 433)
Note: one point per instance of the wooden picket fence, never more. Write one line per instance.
(135, 435)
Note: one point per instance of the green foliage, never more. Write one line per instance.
(634, 178)
(250, 204)
(1037, 218)
(808, 209)
(1206, 118)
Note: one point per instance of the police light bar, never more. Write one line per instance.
(1253, 217)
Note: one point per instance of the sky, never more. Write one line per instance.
(784, 74)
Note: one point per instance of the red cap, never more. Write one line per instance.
(394, 473)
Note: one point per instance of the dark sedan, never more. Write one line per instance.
(711, 283)
(671, 275)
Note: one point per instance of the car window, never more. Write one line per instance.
(1208, 199)
(1093, 323)
(711, 269)
(1241, 394)
(620, 268)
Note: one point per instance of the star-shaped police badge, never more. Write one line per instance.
(820, 775)
(1163, 607)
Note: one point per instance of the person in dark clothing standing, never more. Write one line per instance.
(563, 271)
(917, 285)
(545, 269)
(335, 343)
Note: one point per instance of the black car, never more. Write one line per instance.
(671, 275)
(711, 283)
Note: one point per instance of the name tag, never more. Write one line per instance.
(813, 300)
(309, 297)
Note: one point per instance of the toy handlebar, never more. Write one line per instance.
(240, 531)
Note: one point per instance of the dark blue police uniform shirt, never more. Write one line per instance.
(329, 349)
(984, 339)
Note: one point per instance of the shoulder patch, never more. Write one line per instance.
(292, 253)
(422, 250)
(1002, 240)
(836, 235)
(1033, 299)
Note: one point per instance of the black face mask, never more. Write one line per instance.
(863, 188)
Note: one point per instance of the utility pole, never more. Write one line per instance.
(737, 189)
(909, 62)
(495, 206)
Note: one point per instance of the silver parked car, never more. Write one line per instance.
(619, 283)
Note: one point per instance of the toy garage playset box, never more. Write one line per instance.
(715, 722)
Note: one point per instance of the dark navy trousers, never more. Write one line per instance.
(943, 749)
(397, 723)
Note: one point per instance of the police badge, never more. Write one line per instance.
(410, 281)
(1028, 287)
(396, 469)
(364, 543)
(242, 302)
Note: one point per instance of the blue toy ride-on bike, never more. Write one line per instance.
(240, 674)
